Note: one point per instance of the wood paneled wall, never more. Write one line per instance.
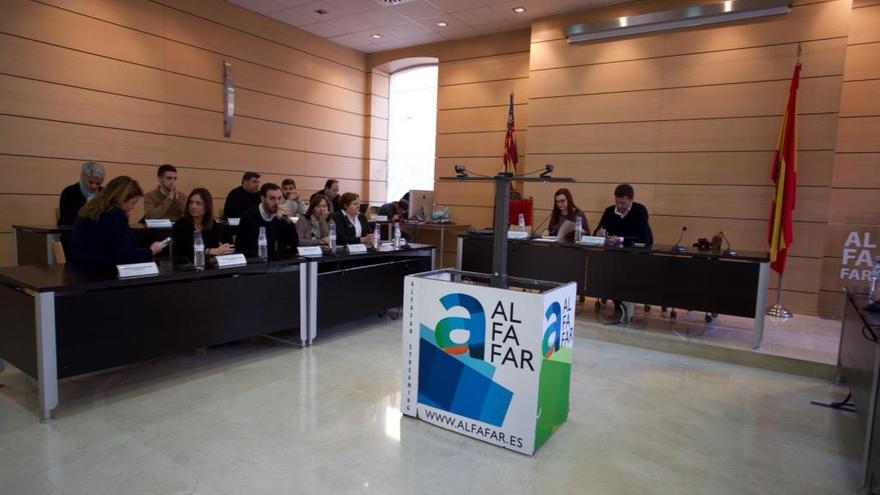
(690, 118)
(854, 203)
(138, 83)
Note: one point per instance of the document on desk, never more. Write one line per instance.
(138, 269)
(546, 239)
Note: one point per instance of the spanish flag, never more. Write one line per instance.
(783, 173)
(511, 154)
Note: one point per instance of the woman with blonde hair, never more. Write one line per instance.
(101, 235)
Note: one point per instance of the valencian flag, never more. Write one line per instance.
(784, 175)
(511, 155)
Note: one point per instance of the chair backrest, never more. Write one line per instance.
(518, 206)
(58, 251)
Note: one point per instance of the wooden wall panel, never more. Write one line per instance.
(860, 98)
(480, 119)
(859, 134)
(482, 94)
(691, 118)
(855, 170)
(137, 83)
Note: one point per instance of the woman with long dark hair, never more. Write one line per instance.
(565, 209)
(198, 217)
(101, 235)
(312, 226)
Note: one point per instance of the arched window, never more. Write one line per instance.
(412, 130)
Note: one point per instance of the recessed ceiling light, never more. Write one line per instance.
(376, 35)
(442, 24)
(321, 12)
(519, 10)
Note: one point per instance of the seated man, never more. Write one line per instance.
(331, 190)
(281, 233)
(165, 201)
(292, 198)
(74, 196)
(243, 197)
(626, 219)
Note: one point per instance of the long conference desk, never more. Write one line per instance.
(60, 322)
(699, 281)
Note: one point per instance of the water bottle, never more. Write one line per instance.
(522, 222)
(578, 226)
(262, 244)
(396, 236)
(331, 226)
(377, 236)
(198, 251)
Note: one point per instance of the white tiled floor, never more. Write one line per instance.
(804, 337)
(261, 418)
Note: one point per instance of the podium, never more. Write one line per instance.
(488, 362)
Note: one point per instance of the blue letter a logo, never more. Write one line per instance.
(552, 337)
(475, 326)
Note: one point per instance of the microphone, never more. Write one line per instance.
(535, 230)
(678, 248)
(729, 251)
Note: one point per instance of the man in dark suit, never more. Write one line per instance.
(281, 233)
(331, 190)
(74, 196)
(245, 196)
(625, 219)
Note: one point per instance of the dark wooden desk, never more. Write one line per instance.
(60, 322)
(32, 244)
(348, 287)
(858, 364)
(700, 281)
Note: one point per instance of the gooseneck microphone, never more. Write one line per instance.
(678, 248)
(729, 251)
(536, 232)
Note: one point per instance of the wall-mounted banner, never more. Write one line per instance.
(492, 364)
(858, 255)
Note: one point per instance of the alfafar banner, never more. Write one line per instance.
(489, 363)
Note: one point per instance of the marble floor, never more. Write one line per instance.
(262, 417)
(806, 337)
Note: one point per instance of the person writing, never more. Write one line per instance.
(312, 227)
(351, 223)
(198, 217)
(292, 198)
(74, 196)
(165, 201)
(243, 197)
(625, 220)
(281, 233)
(565, 209)
(101, 235)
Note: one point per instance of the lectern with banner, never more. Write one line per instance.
(493, 364)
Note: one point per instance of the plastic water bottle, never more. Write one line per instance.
(331, 226)
(522, 222)
(578, 226)
(262, 244)
(377, 236)
(198, 251)
(396, 236)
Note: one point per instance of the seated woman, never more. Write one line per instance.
(312, 226)
(351, 224)
(198, 217)
(565, 209)
(101, 235)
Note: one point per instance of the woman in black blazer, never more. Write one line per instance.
(351, 224)
(198, 217)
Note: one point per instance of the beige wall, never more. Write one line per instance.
(137, 83)
(690, 117)
(854, 205)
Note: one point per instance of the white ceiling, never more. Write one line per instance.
(411, 22)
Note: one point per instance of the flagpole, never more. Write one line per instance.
(778, 310)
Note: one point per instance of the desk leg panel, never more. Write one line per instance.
(761, 305)
(18, 331)
(47, 361)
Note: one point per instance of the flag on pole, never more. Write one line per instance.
(780, 234)
(511, 155)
